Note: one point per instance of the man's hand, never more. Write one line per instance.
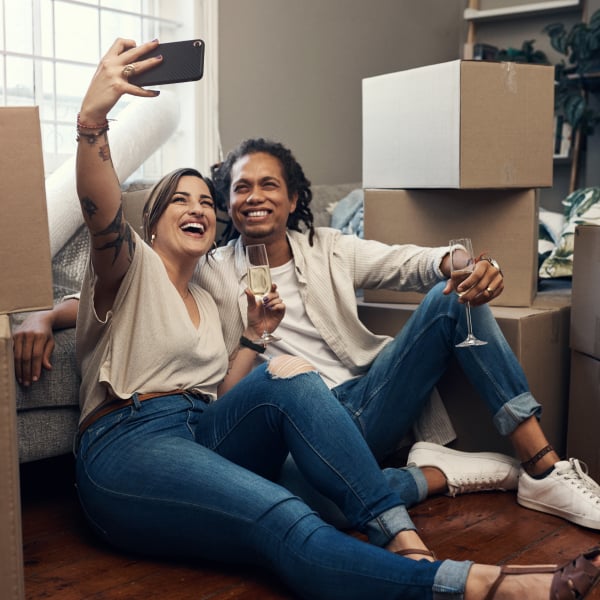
(33, 343)
(485, 283)
(33, 340)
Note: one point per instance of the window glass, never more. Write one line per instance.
(130, 5)
(19, 35)
(76, 27)
(1, 26)
(19, 77)
(65, 142)
(49, 50)
(71, 82)
(2, 99)
(48, 131)
(47, 30)
(47, 101)
(114, 25)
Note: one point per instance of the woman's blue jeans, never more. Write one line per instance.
(176, 477)
(386, 401)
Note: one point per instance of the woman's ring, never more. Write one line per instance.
(490, 291)
(128, 70)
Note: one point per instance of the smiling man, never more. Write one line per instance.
(384, 382)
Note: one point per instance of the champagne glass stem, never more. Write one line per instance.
(469, 322)
(265, 333)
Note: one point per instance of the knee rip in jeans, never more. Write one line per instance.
(284, 367)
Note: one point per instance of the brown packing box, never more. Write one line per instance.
(503, 223)
(25, 270)
(11, 552)
(459, 124)
(585, 317)
(584, 411)
(539, 338)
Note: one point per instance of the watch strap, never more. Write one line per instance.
(260, 348)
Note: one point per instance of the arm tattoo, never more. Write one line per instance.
(104, 152)
(123, 237)
(88, 206)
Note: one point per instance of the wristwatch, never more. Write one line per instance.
(494, 264)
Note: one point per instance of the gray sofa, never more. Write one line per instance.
(47, 411)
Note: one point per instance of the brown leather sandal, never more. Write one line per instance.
(416, 551)
(572, 580)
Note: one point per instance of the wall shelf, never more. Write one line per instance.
(531, 8)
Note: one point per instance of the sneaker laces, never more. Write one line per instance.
(575, 471)
(474, 483)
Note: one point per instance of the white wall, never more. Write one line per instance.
(292, 70)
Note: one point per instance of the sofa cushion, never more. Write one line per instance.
(58, 387)
(324, 199)
(133, 205)
(48, 411)
(46, 432)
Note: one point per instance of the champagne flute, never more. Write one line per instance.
(462, 263)
(259, 282)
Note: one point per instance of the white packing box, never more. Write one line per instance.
(459, 124)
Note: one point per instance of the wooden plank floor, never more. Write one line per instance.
(64, 560)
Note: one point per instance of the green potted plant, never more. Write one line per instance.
(580, 74)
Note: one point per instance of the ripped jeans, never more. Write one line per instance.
(175, 477)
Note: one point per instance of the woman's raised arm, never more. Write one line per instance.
(97, 185)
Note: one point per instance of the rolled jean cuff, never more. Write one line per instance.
(420, 482)
(515, 411)
(450, 580)
(383, 528)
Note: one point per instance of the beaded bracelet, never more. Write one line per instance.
(82, 125)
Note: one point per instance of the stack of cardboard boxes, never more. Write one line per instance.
(584, 401)
(25, 273)
(460, 149)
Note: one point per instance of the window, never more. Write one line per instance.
(50, 49)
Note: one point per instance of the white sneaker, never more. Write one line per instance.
(467, 471)
(568, 492)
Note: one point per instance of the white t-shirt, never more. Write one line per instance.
(298, 335)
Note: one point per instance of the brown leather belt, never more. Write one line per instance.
(118, 403)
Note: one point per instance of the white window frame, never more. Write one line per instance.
(196, 141)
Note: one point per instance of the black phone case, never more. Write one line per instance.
(182, 61)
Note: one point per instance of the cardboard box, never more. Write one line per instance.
(584, 412)
(538, 337)
(502, 223)
(25, 260)
(11, 539)
(26, 275)
(459, 124)
(585, 317)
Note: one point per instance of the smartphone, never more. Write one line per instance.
(182, 61)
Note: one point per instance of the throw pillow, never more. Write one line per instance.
(582, 207)
(550, 228)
